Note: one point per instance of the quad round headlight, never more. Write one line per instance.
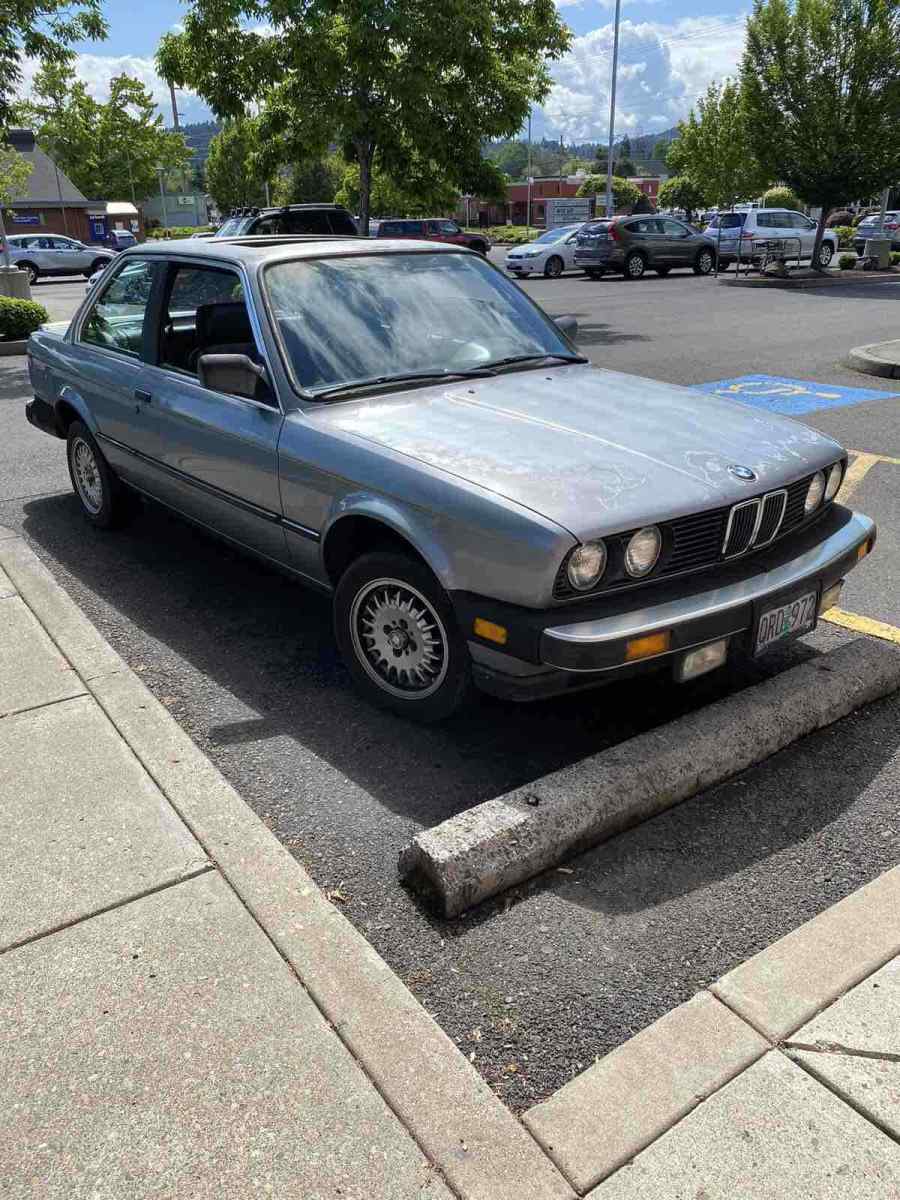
(586, 565)
(642, 551)
(814, 493)
(835, 474)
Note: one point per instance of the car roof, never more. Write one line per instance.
(253, 249)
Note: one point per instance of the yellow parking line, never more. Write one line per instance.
(849, 620)
(857, 471)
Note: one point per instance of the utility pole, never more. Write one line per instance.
(162, 196)
(174, 108)
(612, 112)
(528, 217)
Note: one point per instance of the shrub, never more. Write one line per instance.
(18, 318)
(845, 234)
(895, 259)
(508, 235)
(780, 197)
(847, 262)
(178, 231)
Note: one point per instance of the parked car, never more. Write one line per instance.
(740, 231)
(434, 229)
(550, 254)
(51, 254)
(634, 245)
(120, 239)
(402, 428)
(315, 219)
(870, 227)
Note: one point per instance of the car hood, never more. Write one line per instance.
(593, 450)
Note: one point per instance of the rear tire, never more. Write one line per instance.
(480, 247)
(554, 267)
(705, 262)
(397, 633)
(635, 266)
(104, 502)
(96, 266)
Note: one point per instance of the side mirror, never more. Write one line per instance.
(567, 325)
(234, 374)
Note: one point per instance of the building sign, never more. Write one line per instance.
(26, 218)
(567, 210)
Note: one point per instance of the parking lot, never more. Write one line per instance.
(536, 984)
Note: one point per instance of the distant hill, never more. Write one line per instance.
(643, 146)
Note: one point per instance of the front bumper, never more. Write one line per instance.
(523, 266)
(590, 646)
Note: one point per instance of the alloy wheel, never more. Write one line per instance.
(635, 266)
(399, 639)
(88, 479)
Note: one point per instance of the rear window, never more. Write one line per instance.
(728, 221)
(595, 228)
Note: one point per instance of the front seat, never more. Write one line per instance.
(223, 328)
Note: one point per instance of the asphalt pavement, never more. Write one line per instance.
(537, 984)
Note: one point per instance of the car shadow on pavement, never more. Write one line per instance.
(13, 378)
(219, 620)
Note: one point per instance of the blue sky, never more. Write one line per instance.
(669, 52)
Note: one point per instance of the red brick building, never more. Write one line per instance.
(53, 204)
(516, 207)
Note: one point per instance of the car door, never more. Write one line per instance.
(107, 361)
(680, 245)
(82, 257)
(216, 452)
(62, 256)
(567, 248)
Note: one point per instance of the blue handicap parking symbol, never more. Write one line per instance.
(793, 396)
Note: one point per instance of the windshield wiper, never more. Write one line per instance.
(403, 377)
(513, 360)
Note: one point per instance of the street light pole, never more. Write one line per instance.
(162, 196)
(612, 113)
(528, 217)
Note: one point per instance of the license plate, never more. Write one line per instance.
(786, 621)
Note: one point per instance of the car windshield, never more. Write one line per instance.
(555, 235)
(728, 221)
(344, 321)
(233, 227)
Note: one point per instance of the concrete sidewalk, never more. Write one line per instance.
(183, 1013)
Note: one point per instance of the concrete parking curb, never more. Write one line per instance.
(511, 838)
(481, 1149)
(879, 358)
(8, 349)
(836, 279)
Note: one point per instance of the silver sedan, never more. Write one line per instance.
(550, 254)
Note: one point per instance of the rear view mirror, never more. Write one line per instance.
(234, 374)
(567, 325)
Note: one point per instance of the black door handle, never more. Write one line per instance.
(144, 397)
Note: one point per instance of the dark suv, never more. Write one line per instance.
(434, 229)
(631, 245)
(330, 220)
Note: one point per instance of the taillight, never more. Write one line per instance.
(891, 225)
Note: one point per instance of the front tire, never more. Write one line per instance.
(705, 262)
(826, 254)
(554, 267)
(31, 271)
(104, 502)
(397, 633)
(635, 266)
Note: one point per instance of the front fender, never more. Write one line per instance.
(417, 526)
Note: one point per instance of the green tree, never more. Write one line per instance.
(303, 183)
(625, 194)
(232, 178)
(45, 30)
(377, 79)
(511, 158)
(428, 193)
(780, 197)
(712, 149)
(109, 151)
(624, 167)
(14, 172)
(681, 192)
(821, 84)
(661, 149)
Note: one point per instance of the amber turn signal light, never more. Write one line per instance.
(648, 646)
(491, 631)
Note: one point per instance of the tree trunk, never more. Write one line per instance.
(820, 230)
(366, 152)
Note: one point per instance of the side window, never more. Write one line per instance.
(116, 320)
(448, 227)
(268, 225)
(388, 229)
(673, 228)
(643, 226)
(342, 224)
(205, 313)
(310, 222)
(413, 228)
(767, 220)
(44, 243)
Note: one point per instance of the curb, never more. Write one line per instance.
(867, 360)
(506, 840)
(838, 279)
(482, 1150)
(8, 349)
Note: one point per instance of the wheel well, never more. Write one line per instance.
(351, 537)
(65, 414)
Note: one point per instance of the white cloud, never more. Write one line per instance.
(97, 70)
(662, 71)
